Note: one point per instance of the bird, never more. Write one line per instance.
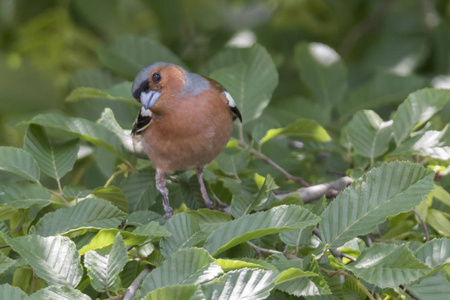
(184, 122)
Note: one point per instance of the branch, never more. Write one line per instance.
(311, 193)
(270, 162)
(132, 289)
(409, 292)
(425, 229)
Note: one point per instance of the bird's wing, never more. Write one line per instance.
(221, 89)
(142, 121)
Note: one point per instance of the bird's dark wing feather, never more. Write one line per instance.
(142, 121)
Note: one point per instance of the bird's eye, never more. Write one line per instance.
(156, 77)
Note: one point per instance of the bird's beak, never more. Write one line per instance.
(149, 99)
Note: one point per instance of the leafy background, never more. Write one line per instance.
(331, 92)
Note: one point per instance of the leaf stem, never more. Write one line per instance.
(60, 196)
(260, 250)
(425, 229)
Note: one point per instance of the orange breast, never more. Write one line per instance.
(191, 134)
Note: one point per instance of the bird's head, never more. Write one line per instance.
(168, 80)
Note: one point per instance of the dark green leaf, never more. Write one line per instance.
(20, 162)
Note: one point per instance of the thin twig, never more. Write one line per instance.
(270, 162)
(425, 229)
(263, 250)
(340, 255)
(60, 196)
(132, 289)
(409, 292)
(356, 281)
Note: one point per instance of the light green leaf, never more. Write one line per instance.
(234, 264)
(186, 266)
(368, 134)
(439, 222)
(249, 227)
(112, 194)
(432, 143)
(440, 193)
(127, 55)
(418, 108)
(55, 160)
(435, 253)
(209, 220)
(385, 191)
(304, 128)
(105, 238)
(54, 259)
(89, 213)
(140, 190)
(249, 284)
(250, 77)
(384, 89)
(323, 71)
(104, 269)
(59, 293)
(185, 292)
(5, 263)
(20, 162)
(11, 292)
(388, 265)
(293, 273)
(24, 194)
(82, 128)
(185, 232)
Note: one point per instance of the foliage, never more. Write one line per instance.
(326, 89)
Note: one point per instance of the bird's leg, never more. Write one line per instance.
(161, 186)
(208, 202)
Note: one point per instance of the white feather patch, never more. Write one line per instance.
(146, 112)
(230, 99)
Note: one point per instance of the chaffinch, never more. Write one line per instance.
(184, 122)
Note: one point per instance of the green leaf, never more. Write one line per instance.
(249, 227)
(250, 77)
(385, 191)
(84, 129)
(249, 284)
(11, 292)
(104, 269)
(20, 162)
(188, 292)
(243, 195)
(127, 55)
(54, 259)
(304, 128)
(119, 92)
(368, 134)
(89, 213)
(114, 195)
(24, 194)
(59, 293)
(435, 253)
(293, 273)
(234, 264)
(186, 266)
(55, 160)
(185, 232)
(246, 202)
(234, 163)
(439, 222)
(384, 89)
(388, 265)
(435, 287)
(140, 190)
(323, 71)
(209, 220)
(152, 230)
(418, 108)
(5, 263)
(433, 144)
